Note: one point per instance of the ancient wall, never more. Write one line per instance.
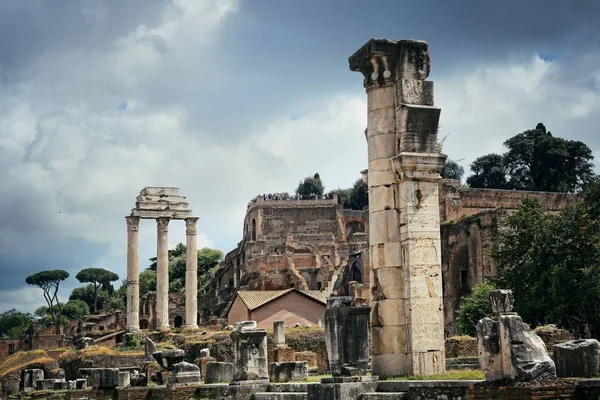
(8, 346)
(457, 201)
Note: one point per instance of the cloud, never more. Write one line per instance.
(488, 104)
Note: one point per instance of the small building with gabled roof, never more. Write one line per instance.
(293, 306)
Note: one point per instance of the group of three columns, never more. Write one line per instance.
(162, 274)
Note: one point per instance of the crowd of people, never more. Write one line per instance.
(287, 196)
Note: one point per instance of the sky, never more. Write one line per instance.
(227, 99)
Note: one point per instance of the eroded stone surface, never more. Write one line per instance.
(217, 372)
(184, 372)
(577, 358)
(168, 358)
(249, 352)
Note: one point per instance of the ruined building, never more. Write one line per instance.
(303, 244)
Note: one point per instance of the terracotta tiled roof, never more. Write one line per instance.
(254, 299)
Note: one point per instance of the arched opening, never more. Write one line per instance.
(178, 321)
(253, 230)
(144, 324)
(357, 271)
(353, 227)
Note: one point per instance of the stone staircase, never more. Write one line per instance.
(462, 363)
(284, 391)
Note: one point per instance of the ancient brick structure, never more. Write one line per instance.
(300, 244)
(470, 219)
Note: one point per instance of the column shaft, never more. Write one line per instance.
(162, 274)
(133, 287)
(191, 275)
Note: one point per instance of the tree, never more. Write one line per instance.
(207, 259)
(489, 172)
(76, 309)
(13, 323)
(97, 277)
(452, 170)
(538, 161)
(147, 282)
(354, 198)
(552, 264)
(311, 186)
(87, 295)
(474, 308)
(49, 281)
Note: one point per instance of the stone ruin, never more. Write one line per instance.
(250, 352)
(508, 348)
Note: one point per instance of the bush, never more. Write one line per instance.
(473, 308)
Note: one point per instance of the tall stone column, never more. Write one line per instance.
(133, 286)
(162, 273)
(407, 324)
(191, 274)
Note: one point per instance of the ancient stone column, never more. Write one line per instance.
(162, 273)
(191, 274)
(407, 324)
(133, 287)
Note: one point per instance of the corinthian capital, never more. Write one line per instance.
(162, 224)
(133, 223)
(190, 225)
(384, 61)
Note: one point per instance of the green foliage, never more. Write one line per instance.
(474, 308)
(311, 185)
(147, 282)
(452, 170)
(354, 198)
(76, 309)
(552, 264)
(49, 281)
(13, 323)
(97, 277)
(488, 172)
(208, 258)
(88, 294)
(116, 303)
(538, 161)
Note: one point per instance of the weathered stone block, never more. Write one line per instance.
(281, 354)
(417, 127)
(217, 372)
(201, 362)
(383, 98)
(309, 356)
(390, 312)
(80, 384)
(168, 358)
(184, 372)
(414, 91)
(288, 371)
(123, 379)
(31, 377)
(279, 333)
(250, 352)
(577, 358)
(388, 283)
(382, 146)
(388, 340)
(60, 384)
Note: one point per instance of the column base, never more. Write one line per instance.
(133, 329)
(163, 328)
(191, 326)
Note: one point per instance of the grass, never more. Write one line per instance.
(21, 359)
(450, 375)
(316, 378)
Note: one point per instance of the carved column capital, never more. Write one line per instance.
(190, 225)
(384, 61)
(133, 223)
(162, 224)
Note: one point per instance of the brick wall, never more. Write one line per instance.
(541, 391)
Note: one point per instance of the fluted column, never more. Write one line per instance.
(162, 273)
(191, 274)
(133, 286)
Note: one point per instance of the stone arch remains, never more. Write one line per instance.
(353, 227)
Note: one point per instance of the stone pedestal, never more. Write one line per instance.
(201, 362)
(407, 326)
(577, 358)
(184, 372)
(168, 358)
(133, 287)
(191, 274)
(162, 274)
(250, 352)
(347, 336)
(102, 378)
